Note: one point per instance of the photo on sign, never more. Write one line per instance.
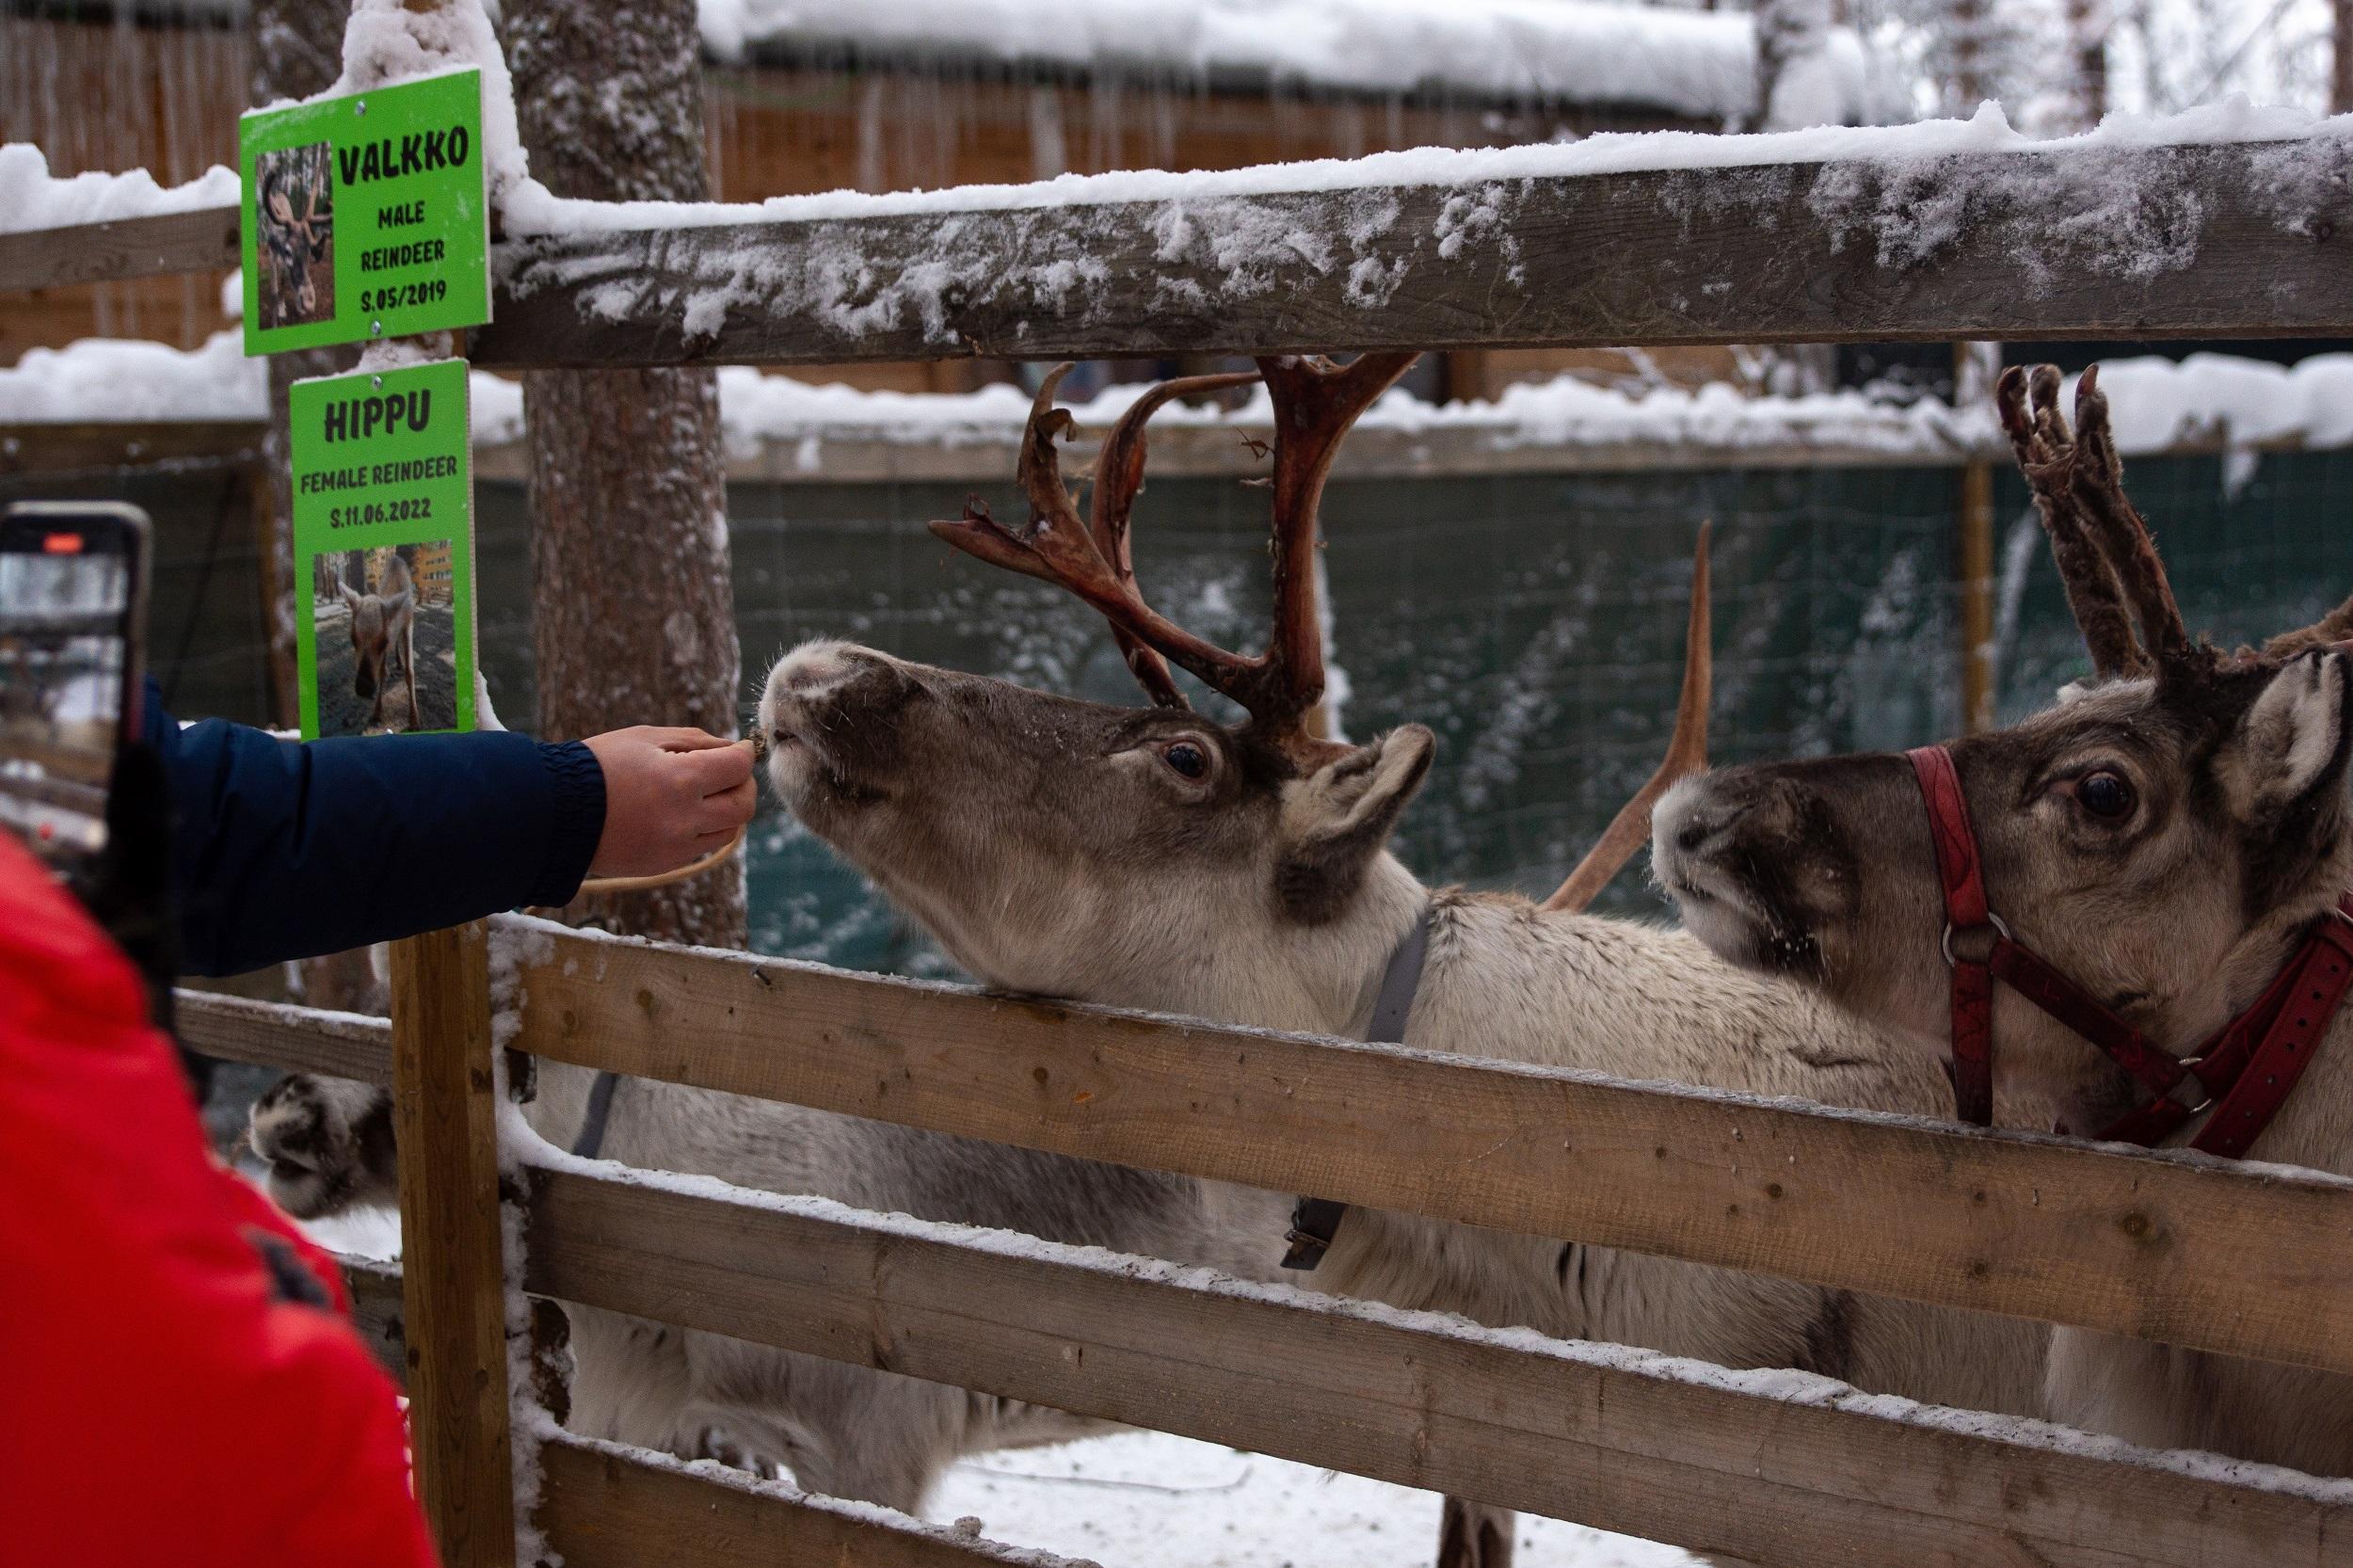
(387, 639)
(295, 218)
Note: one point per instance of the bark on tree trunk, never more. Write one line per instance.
(2087, 26)
(2340, 71)
(633, 600)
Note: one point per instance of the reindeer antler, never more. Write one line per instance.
(2096, 480)
(2102, 544)
(1118, 475)
(2046, 455)
(1314, 403)
(2330, 630)
(1686, 752)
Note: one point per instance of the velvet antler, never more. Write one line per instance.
(1686, 752)
(2047, 455)
(2096, 480)
(1315, 404)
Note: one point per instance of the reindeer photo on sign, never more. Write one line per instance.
(295, 221)
(383, 525)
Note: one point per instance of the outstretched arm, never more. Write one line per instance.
(283, 849)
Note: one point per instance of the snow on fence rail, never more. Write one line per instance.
(1773, 1468)
(2073, 242)
(1933, 231)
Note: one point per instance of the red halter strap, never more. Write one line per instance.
(2249, 1064)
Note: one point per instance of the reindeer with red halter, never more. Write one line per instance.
(2123, 916)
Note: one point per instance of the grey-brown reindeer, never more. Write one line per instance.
(383, 633)
(2151, 855)
(1154, 857)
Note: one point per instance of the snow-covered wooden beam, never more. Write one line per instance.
(2152, 1247)
(275, 1035)
(604, 1505)
(201, 240)
(1776, 1469)
(2090, 241)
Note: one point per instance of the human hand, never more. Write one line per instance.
(671, 795)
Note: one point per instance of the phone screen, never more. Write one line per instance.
(68, 599)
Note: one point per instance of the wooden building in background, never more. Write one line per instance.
(112, 85)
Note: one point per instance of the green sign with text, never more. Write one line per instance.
(383, 535)
(365, 215)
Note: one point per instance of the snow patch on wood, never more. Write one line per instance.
(32, 197)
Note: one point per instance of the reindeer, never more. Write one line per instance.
(2149, 854)
(383, 625)
(294, 245)
(1154, 857)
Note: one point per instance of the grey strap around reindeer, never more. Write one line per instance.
(591, 1137)
(1315, 1221)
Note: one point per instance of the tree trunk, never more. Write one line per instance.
(2087, 26)
(632, 600)
(2341, 68)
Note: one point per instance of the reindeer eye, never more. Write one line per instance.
(1187, 759)
(2104, 794)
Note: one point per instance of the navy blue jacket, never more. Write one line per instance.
(287, 849)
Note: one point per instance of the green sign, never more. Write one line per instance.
(383, 535)
(365, 217)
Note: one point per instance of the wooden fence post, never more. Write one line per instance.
(445, 1117)
(1975, 366)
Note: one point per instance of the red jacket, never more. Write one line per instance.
(165, 1394)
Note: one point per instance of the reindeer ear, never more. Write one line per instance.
(343, 591)
(2293, 741)
(1338, 818)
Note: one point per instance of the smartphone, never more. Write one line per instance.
(72, 614)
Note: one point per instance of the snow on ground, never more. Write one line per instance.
(2206, 399)
(32, 197)
(1698, 62)
(1150, 1500)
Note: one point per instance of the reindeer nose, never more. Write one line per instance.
(1691, 816)
(817, 670)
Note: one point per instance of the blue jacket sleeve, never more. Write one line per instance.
(285, 849)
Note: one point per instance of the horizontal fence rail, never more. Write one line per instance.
(2157, 1248)
(273, 1034)
(604, 1507)
(1622, 1440)
(63, 447)
(201, 240)
(2080, 242)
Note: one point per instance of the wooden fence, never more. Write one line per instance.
(2152, 1247)
(2156, 1247)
